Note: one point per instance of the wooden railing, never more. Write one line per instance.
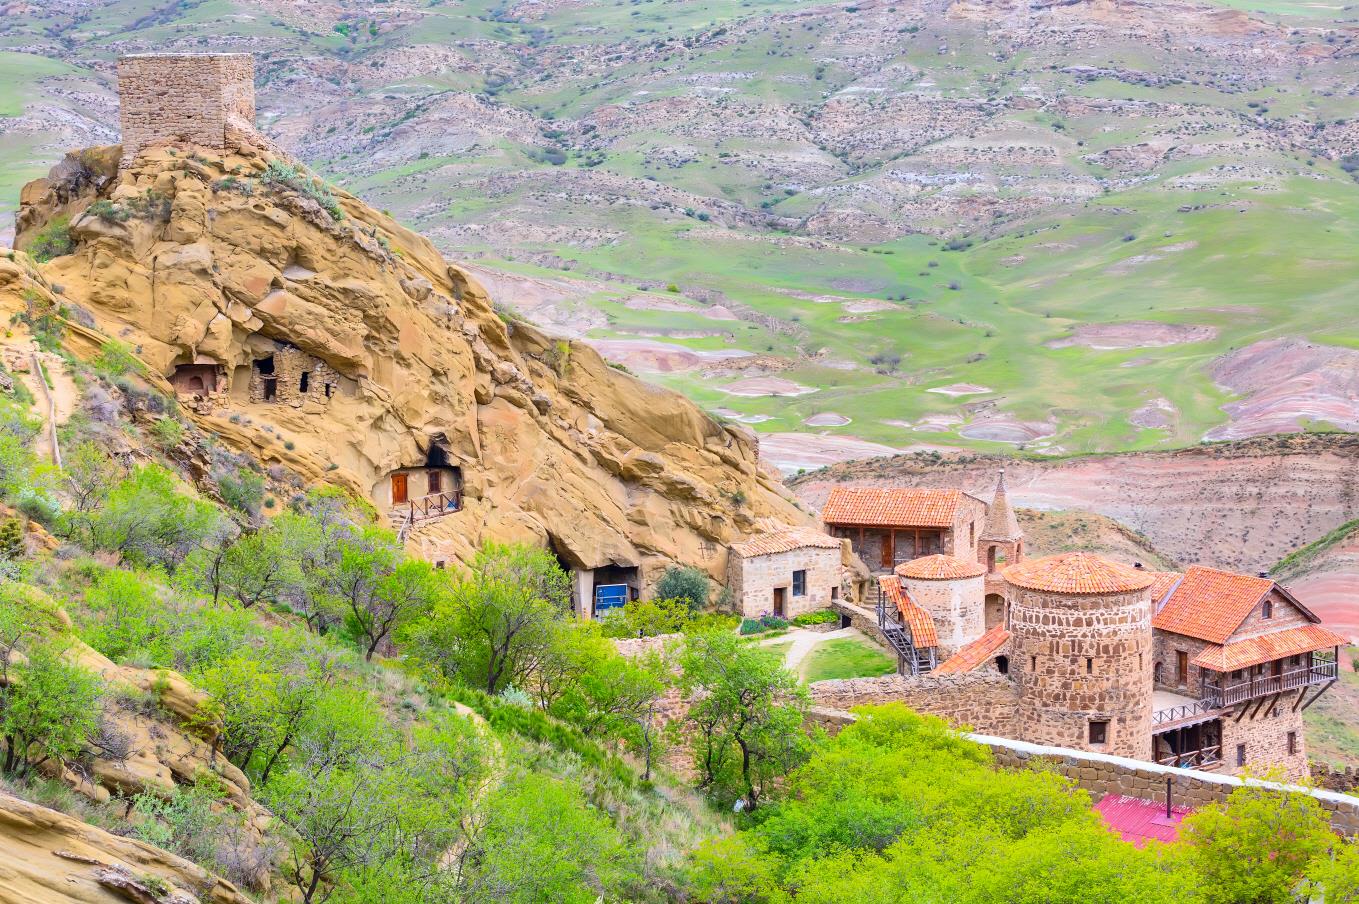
(433, 505)
(1209, 757)
(1319, 672)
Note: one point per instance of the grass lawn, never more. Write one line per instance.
(846, 657)
(1332, 725)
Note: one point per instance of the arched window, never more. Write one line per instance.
(1267, 610)
(1003, 664)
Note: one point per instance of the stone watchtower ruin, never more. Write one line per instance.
(1082, 653)
(202, 99)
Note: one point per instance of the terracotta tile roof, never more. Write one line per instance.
(912, 616)
(1210, 604)
(1162, 583)
(939, 568)
(1242, 654)
(976, 653)
(785, 540)
(1138, 821)
(891, 506)
(1077, 573)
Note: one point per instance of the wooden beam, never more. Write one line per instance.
(1244, 706)
(1324, 689)
(1302, 692)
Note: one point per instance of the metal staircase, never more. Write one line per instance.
(910, 658)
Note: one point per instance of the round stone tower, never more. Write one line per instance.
(952, 591)
(1081, 652)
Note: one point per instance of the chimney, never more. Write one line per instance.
(1137, 565)
(1262, 574)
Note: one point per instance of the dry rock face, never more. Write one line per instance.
(194, 259)
(51, 857)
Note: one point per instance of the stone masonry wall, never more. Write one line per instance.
(183, 98)
(1266, 740)
(1079, 659)
(956, 608)
(985, 701)
(753, 579)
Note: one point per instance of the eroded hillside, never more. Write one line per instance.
(216, 267)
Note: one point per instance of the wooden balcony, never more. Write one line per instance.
(1320, 671)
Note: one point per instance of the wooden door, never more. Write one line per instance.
(780, 596)
(888, 548)
(399, 494)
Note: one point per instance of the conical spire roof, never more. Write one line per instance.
(1000, 518)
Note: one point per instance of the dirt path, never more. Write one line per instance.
(54, 404)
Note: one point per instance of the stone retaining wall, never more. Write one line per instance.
(985, 701)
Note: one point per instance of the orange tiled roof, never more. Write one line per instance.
(785, 540)
(976, 653)
(891, 506)
(1077, 573)
(1267, 647)
(1210, 604)
(939, 568)
(912, 616)
(1162, 583)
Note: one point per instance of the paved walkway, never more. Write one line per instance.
(804, 642)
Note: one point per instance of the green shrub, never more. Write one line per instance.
(53, 240)
(762, 624)
(11, 539)
(168, 432)
(299, 180)
(819, 617)
(126, 617)
(115, 359)
(109, 212)
(242, 490)
(49, 713)
(684, 583)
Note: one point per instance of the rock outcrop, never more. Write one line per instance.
(218, 263)
(57, 859)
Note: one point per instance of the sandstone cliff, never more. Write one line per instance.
(196, 258)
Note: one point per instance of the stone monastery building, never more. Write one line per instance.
(1203, 669)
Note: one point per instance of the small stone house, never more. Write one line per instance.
(785, 572)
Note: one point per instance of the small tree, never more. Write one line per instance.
(748, 712)
(412, 587)
(48, 712)
(1257, 845)
(493, 626)
(684, 583)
